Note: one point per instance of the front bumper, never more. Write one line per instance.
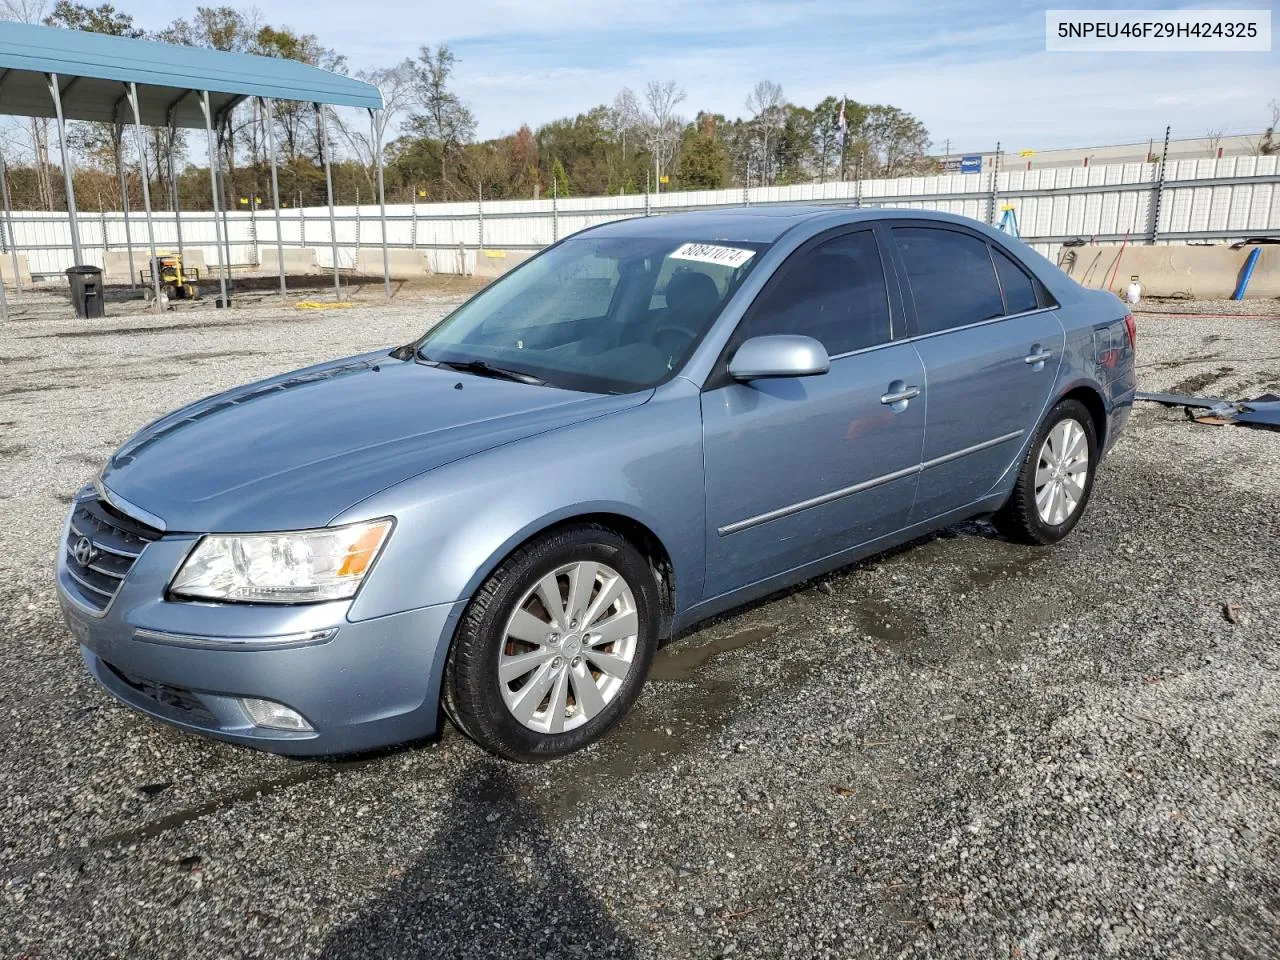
(370, 684)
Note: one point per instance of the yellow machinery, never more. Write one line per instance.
(176, 282)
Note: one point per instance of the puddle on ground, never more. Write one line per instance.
(680, 660)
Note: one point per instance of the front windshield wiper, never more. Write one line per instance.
(484, 369)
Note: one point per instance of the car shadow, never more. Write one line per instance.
(492, 883)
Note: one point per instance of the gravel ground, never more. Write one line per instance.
(966, 748)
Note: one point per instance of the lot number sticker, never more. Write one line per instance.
(732, 257)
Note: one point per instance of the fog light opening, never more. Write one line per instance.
(274, 716)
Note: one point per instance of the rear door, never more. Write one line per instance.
(798, 469)
(991, 343)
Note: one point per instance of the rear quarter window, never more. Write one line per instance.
(1019, 290)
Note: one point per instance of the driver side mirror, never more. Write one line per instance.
(781, 355)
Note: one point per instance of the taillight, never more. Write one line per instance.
(1131, 328)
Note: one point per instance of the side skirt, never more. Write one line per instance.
(762, 588)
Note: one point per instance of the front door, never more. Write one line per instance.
(799, 469)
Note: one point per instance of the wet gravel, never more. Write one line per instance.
(966, 748)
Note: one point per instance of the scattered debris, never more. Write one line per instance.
(1231, 612)
(191, 864)
(153, 789)
(1263, 411)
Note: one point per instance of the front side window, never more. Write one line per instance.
(952, 280)
(834, 292)
(608, 315)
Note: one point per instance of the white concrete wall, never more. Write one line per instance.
(1203, 199)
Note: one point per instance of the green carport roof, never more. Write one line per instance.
(93, 69)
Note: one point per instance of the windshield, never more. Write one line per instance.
(608, 315)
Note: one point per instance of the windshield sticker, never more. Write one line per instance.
(732, 257)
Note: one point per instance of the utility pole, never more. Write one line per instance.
(656, 142)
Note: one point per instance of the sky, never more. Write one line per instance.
(974, 71)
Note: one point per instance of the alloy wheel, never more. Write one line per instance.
(1062, 471)
(568, 646)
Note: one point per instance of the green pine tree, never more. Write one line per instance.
(560, 180)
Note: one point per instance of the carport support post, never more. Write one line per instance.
(268, 110)
(213, 181)
(124, 209)
(146, 188)
(8, 222)
(173, 191)
(323, 129)
(376, 130)
(72, 220)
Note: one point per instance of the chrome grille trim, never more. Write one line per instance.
(117, 541)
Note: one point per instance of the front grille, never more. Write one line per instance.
(174, 699)
(102, 545)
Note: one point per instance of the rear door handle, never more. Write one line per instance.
(1037, 355)
(902, 395)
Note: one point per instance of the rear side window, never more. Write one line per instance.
(1019, 291)
(834, 292)
(952, 280)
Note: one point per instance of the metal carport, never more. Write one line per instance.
(73, 75)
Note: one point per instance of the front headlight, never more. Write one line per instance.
(296, 567)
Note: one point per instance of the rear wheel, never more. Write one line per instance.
(1055, 479)
(555, 646)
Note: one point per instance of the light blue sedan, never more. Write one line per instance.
(649, 423)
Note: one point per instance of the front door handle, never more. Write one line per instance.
(899, 394)
(1038, 355)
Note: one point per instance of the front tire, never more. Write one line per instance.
(554, 648)
(1055, 479)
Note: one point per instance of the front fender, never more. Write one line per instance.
(455, 524)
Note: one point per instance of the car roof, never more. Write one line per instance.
(757, 224)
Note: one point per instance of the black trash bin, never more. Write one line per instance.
(86, 290)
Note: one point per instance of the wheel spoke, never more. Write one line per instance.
(614, 666)
(1044, 497)
(1077, 446)
(549, 593)
(618, 627)
(1059, 503)
(1043, 475)
(530, 695)
(528, 628)
(582, 580)
(558, 703)
(585, 691)
(1074, 486)
(514, 667)
(609, 592)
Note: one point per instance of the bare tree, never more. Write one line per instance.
(445, 118)
(767, 106)
(625, 116)
(1267, 145)
(662, 97)
(398, 85)
(1215, 140)
(32, 11)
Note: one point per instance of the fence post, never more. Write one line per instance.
(555, 210)
(857, 184)
(480, 219)
(413, 223)
(995, 186)
(1154, 233)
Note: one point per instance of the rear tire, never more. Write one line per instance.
(530, 680)
(1055, 478)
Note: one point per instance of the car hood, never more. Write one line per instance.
(294, 451)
